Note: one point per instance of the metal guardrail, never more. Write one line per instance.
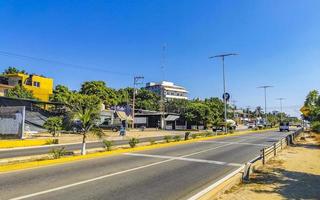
(271, 151)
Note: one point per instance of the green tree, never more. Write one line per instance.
(197, 112)
(313, 103)
(61, 94)
(20, 92)
(216, 107)
(13, 70)
(53, 124)
(86, 110)
(108, 96)
(147, 100)
(176, 105)
(125, 96)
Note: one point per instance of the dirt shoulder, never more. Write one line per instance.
(294, 174)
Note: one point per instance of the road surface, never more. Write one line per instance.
(176, 172)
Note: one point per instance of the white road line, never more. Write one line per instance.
(108, 175)
(88, 181)
(242, 143)
(185, 159)
(215, 184)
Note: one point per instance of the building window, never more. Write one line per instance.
(36, 84)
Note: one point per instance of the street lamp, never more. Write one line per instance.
(224, 83)
(265, 97)
(280, 100)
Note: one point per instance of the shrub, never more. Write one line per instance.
(133, 142)
(152, 142)
(208, 134)
(315, 126)
(194, 136)
(107, 144)
(58, 152)
(177, 138)
(53, 124)
(167, 138)
(52, 141)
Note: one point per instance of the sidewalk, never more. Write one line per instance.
(294, 174)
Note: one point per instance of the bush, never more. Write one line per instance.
(177, 138)
(107, 144)
(133, 142)
(53, 124)
(315, 126)
(167, 138)
(52, 141)
(194, 136)
(58, 152)
(208, 134)
(152, 142)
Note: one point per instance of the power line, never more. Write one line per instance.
(74, 66)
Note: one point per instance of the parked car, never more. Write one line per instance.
(221, 126)
(108, 126)
(284, 126)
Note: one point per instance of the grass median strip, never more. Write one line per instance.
(40, 163)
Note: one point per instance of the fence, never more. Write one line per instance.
(271, 151)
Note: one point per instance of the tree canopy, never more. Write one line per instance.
(20, 92)
(13, 70)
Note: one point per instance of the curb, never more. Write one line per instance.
(44, 163)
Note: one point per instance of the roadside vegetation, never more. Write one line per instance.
(312, 107)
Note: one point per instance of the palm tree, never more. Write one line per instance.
(85, 109)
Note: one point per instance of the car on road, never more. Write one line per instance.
(284, 126)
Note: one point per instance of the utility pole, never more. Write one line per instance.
(222, 56)
(280, 100)
(265, 98)
(136, 82)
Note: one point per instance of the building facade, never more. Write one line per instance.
(41, 87)
(168, 89)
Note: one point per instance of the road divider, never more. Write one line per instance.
(42, 163)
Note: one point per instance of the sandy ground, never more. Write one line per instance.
(294, 174)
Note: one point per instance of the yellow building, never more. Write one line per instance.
(40, 86)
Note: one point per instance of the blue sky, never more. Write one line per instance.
(278, 43)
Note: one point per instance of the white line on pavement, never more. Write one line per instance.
(108, 175)
(215, 184)
(185, 159)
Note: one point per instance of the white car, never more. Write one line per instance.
(284, 126)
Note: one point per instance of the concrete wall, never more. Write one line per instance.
(12, 121)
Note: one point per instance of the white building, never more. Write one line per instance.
(170, 90)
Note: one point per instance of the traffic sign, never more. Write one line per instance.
(226, 96)
(305, 110)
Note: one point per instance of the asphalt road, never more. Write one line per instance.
(176, 172)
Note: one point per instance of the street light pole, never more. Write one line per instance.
(265, 98)
(224, 83)
(280, 100)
